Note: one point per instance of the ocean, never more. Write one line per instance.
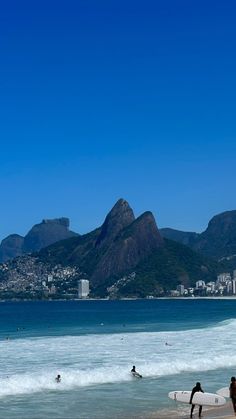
(93, 345)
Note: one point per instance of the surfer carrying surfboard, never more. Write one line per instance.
(232, 392)
(194, 390)
(135, 373)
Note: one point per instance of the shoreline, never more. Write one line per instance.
(222, 412)
(16, 300)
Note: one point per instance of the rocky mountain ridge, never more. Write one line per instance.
(125, 256)
(125, 250)
(217, 241)
(117, 246)
(39, 236)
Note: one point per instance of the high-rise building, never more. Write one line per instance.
(200, 284)
(229, 287)
(223, 278)
(83, 288)
(180, 288)
(234, 286)
(211, 286)
(50, 278)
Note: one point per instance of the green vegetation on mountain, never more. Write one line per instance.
(163, 270)
(128, 257)
(159, 265)
(110, 250)
(217, 241)
(171, 265)
(73, 251)
(184, 237)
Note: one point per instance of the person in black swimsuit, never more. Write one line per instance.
(194, 390)
(135, 373)
(232, 392)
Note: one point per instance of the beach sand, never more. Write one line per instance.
(224, 412)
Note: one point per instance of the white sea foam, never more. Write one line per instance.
(30, 365)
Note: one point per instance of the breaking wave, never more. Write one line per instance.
(30, 365)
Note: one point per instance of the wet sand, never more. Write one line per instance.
(224, 412)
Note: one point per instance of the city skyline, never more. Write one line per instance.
(110, 100)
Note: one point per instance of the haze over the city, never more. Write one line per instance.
(109, 99)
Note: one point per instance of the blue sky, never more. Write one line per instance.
(107, 99)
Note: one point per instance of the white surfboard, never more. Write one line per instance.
(199, 398)
(223, 392)
(136, 374)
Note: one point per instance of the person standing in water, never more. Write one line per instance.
(232, 393)
(194, 390)
(58, 378)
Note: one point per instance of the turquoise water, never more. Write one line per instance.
(94, 344)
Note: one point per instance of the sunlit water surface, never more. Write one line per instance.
(94, 344)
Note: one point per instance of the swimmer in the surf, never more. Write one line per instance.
(58, 378)
(135, 373)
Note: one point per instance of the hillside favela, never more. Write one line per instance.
(125, 257)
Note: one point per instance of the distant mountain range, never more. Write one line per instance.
(217, 241)
(40, 235)
(129, 256)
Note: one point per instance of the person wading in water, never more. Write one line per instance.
(232, 393)
(194, 390)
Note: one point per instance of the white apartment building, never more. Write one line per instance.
(223, 278)
(83, 288)
(234, 286)
(229, 287)
(211, 287)
(180, 289)
(200, 284)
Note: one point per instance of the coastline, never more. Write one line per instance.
(232, 297)
(223, 412)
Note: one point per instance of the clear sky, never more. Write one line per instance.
(117, 98)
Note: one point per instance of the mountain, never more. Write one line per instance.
(170, 265)
(129, 257)
(46, 233)
(117, 246)
(11, 247)
(41, 235)
(217, 241)
(130, 246)
(118, 218)
(184, 237)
